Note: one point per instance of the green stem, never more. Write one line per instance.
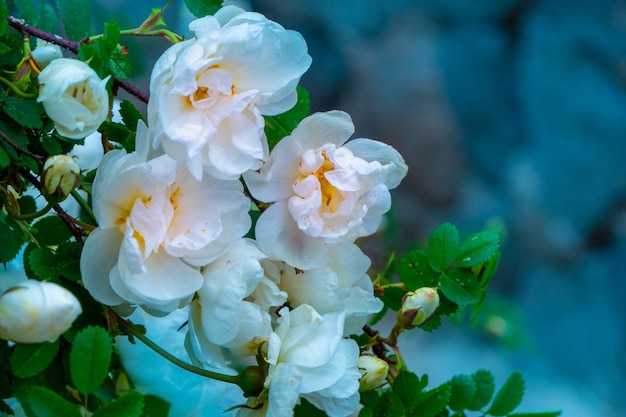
(83, 204)
(132, 330)
(17, 90)
(28, 216)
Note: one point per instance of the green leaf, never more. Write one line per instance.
(48, 20)
(443, 246)
(432, 402)
(41, 263)
(460, 286)
(392, 297)
(51, 231)
(485, 387)
(108, 42)
(25, 112)
(155, 406)
(415, 271)
(446, 308)
(306, 409)
(537, 414)
(120, 65)
(27, 12)
(490, 270)
(30, 359)
(11, 243)
(67, 259)
(46, 403)
(5, 159)
(279, 126)
(463, 391)
(76, 17)
(4, 13)
(118, 132)
(89, 54)
(408, 386)
(130, 115)
(508, 396)
(478, 248)
(201, 8)
(129, 405)
(90, 358)
(51, 145)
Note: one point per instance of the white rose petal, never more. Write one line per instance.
(74, 97)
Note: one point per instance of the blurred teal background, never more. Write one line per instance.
(509, 113)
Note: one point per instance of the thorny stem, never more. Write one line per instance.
(73, 47)
(130, 329)
(18, 148)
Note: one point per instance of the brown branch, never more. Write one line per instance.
(18, 148)
(72, 46)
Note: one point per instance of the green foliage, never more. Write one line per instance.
(463, 392)
(415, 271)
(25, 112)
(539, 414)
(51, 231)
(129, 405)
(443, 246)
(90, 358)
(11, 243)
(4, 13)
(67, 260)
(46, 403)
(41, 262)
(155, 406)
(508, 396)
(460, 286)
(30, 359)
(76, 18)
(478, 248)
(279, 126)
(306, 409)
(485, 386)
(201, 8)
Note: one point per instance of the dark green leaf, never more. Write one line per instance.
(460, 286)
(76, 17)
(408, 387)
(108, 42)
(11, 243)
(279, 126)
(443, 246)
(201, 8)
(508, 396)
(5, 159)
(51, 231)
(478, 248)
(490, 269)
(118, 132)
(41, 263)
(129, 405)
(30, 359)
(537, 414)
(306, 409)
(392, 297)
(119, 65)
(67, 258)
(390, 268)
(48, 20)
(415, 271)
(155, 406)
(463, 391)
(25, 112)
(89, 54)
(5, 410)
(432, 402)
(484, 389)
(27, 12)
(378, 316)
(4, 13)
(366, 412)
(90, 358)
(130, 115)
(46, 403)
(51, 145)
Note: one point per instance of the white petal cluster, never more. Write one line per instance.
(74, 97)
(209, 92)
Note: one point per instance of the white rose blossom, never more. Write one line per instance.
(232, 307)
(35, 311)
(342, 285)
(74, 97)
(309, 358)
(208, 93)
(46, 52)
(157, 226)
(325, 190)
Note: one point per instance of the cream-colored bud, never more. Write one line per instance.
(35, 311)
(418, 306)
(373, 372)
(61, 174)
(46, 52)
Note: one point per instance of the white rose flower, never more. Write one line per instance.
(46, 52)
(208, 93)
(74, 97)
(308, 357)
(226, 312)
(342, 285)
(324, 190)
(35, 311)
(157, 226)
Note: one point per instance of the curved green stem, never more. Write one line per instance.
(132, 330)
(28, 216)
(83, 204)
(17, 90)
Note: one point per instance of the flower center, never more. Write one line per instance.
(331, 196)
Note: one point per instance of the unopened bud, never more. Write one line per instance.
(373, 372)
(251, 380)
(35, 311)
(61, 174)
(46, 52)
(418, 306)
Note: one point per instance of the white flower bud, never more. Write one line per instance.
(418, 306)
(46, 52)
(374, 372)
(35, 311)
(61, 174)
(74, 97)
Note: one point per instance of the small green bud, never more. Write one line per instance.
(373, 372)
(251, 381)
(61, 174)
(418, 306)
